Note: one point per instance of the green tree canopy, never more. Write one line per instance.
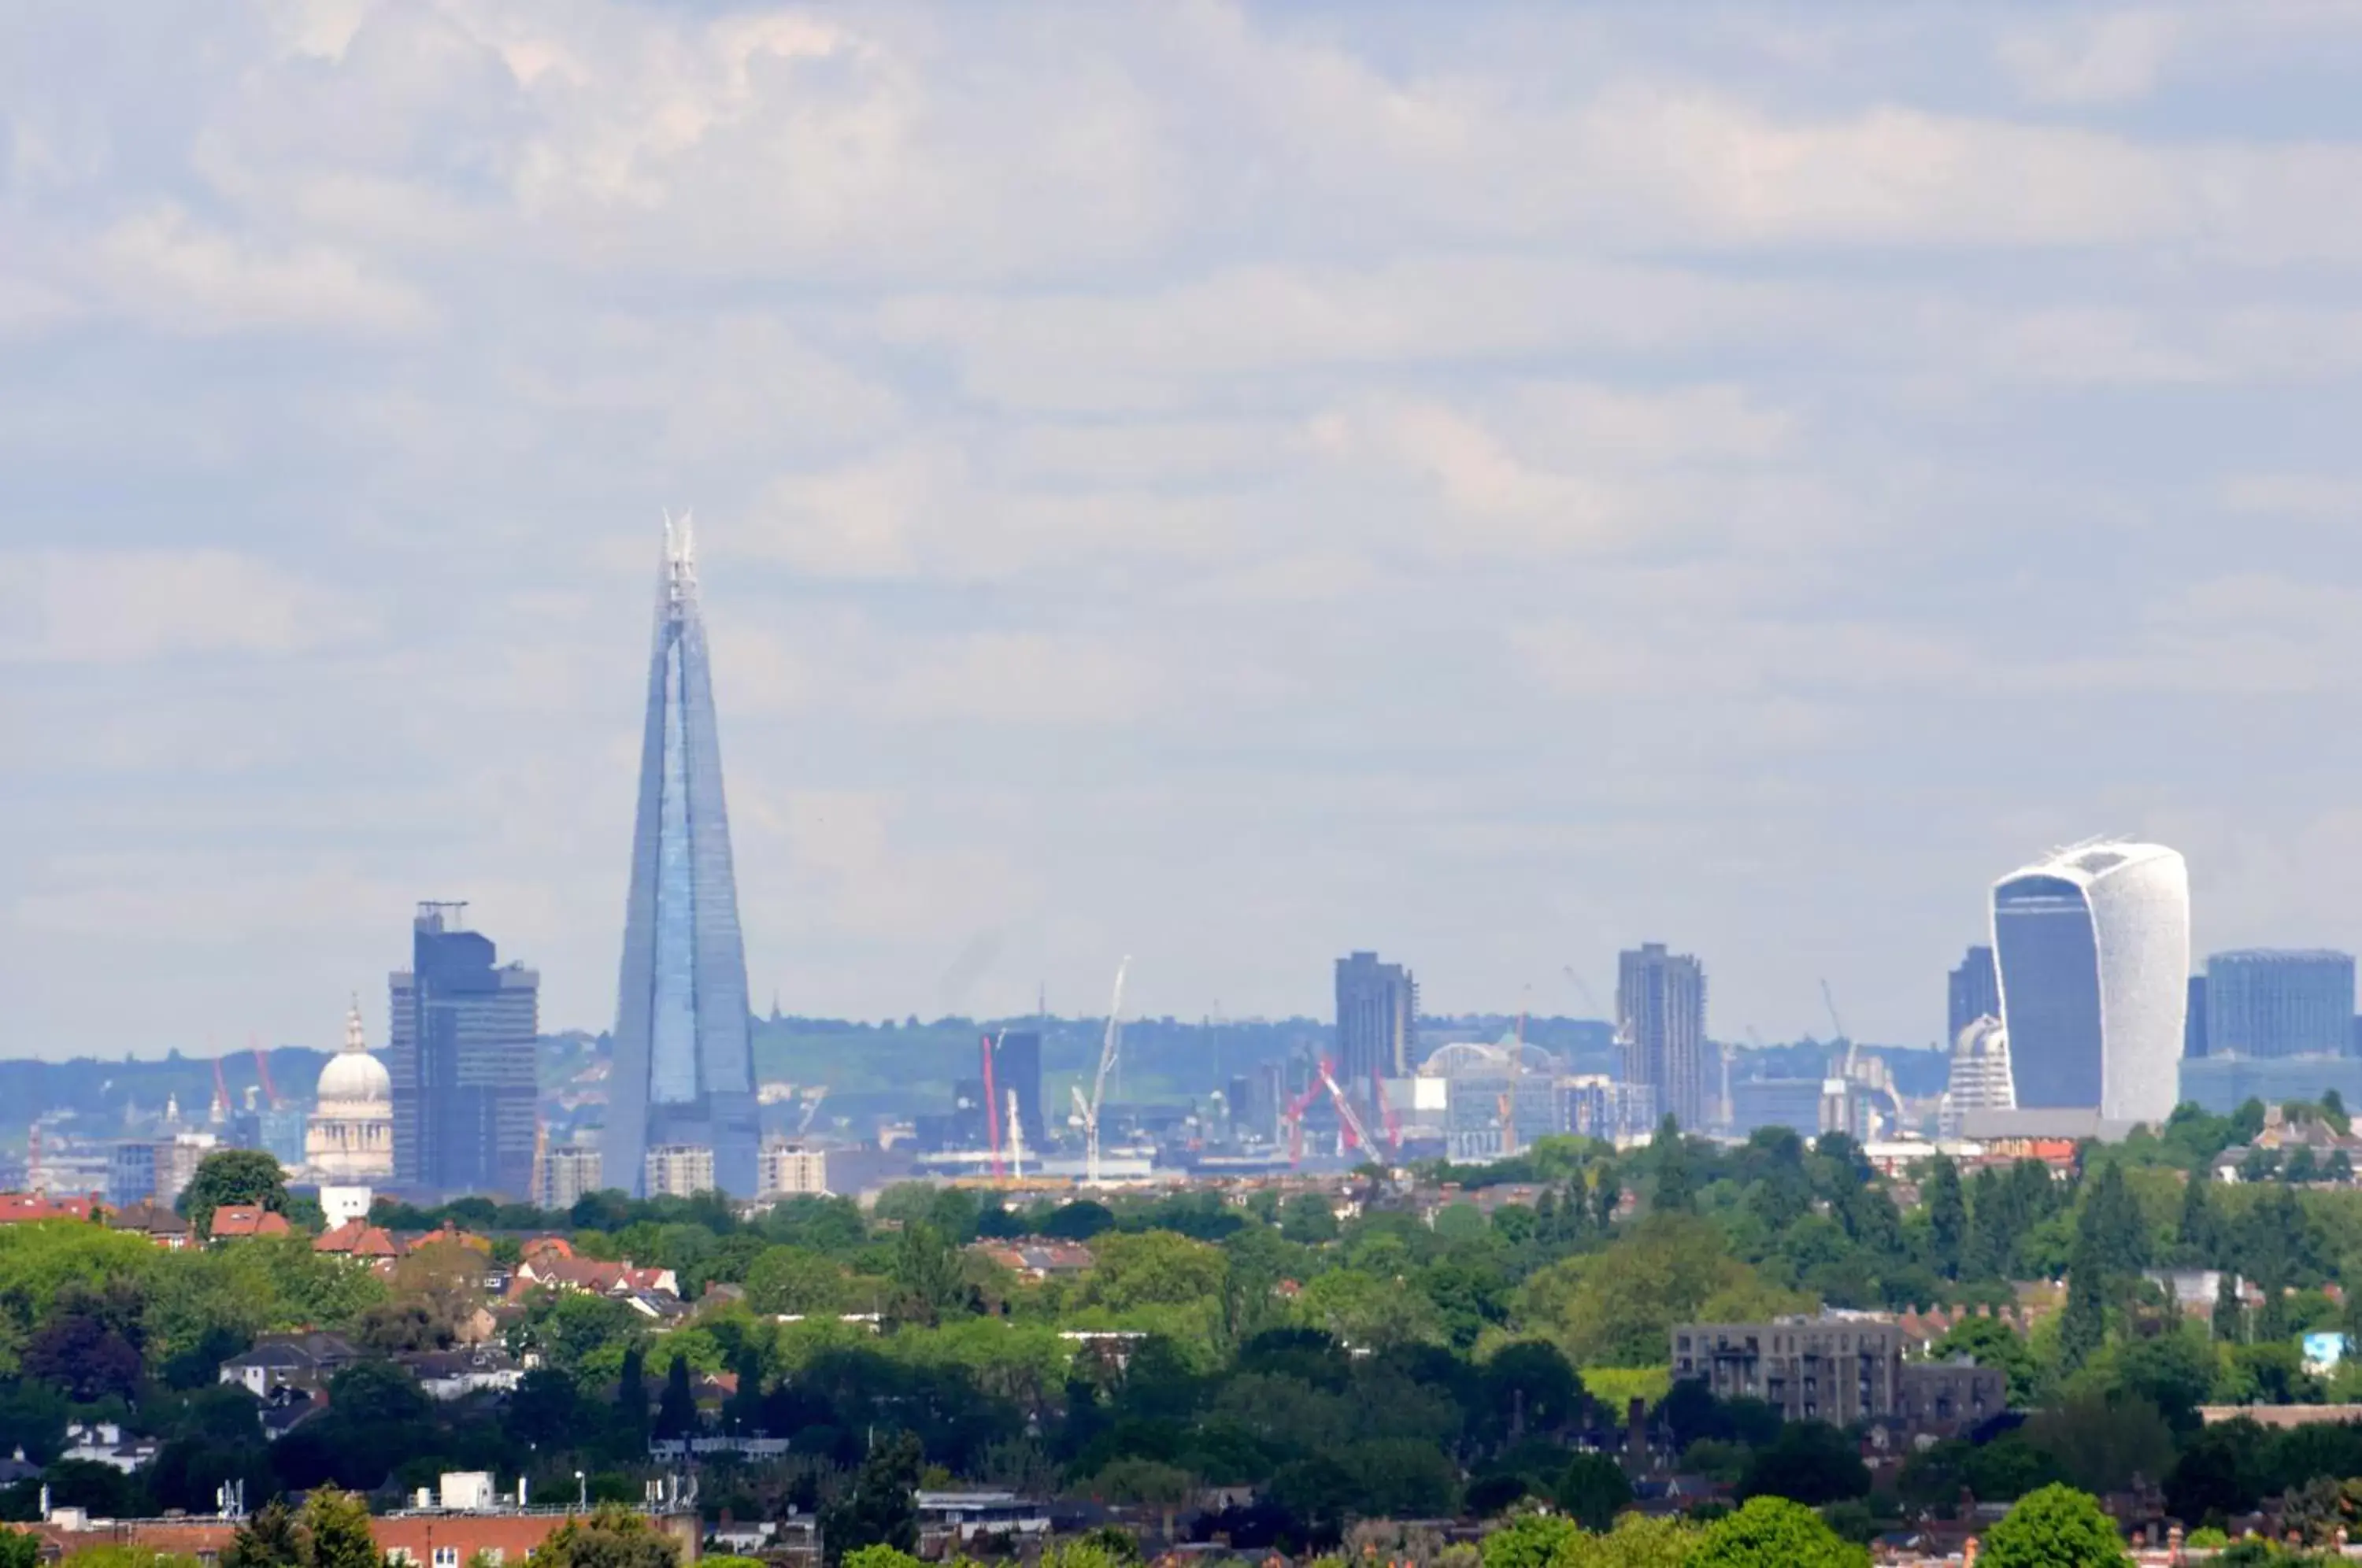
(232, 1175)
(1772, 1532)
(609, 1535)
(2056, 1527)
(1594, 1491)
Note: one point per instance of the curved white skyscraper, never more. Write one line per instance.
(2093, 948)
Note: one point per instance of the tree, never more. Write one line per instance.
(1307, 1218)
(20, 1549)
(1810, 1463)
(2112, 1225)
(609, 1535)
(89, 1344)
(2083, 1326)
(1529, 1540)
(2229, 1312)
(232, 1175)
(2100, 1442)
(879, 1509)
(677, 1407)
(1674, 1187)
(1992, 1343)
(1772, 1532)
(2056, 1527)
(266, 1539)
(1947, 1218)
(1153, 1267)
(336, 1532)
(1594, 1491)
(1635, 1542)
(2195, 1232)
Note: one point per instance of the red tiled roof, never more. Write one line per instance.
(247, 1220)
(23, 1207)
(356, 1239)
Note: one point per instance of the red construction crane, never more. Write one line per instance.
(262, 1073)
(1291, 1116)
(1354, 1130)
(221, 1093)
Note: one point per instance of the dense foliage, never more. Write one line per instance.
(1407, 1350)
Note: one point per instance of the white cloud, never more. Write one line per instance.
(129, 606)
(2106, 58)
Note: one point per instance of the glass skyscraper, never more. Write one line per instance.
(460, 1051)
(684, 1070)
(2265, 1001)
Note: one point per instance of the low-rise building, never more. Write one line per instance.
(1838, 1368)
(233, 1222)
(303, 1361)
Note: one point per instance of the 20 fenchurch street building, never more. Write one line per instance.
(684, 1073)
(2093, 948)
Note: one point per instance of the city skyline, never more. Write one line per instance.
(1549, 508)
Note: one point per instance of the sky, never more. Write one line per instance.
(1221, 483)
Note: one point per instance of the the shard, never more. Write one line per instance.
(684, 1064)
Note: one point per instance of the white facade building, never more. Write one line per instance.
(1980, 1079)
(348, 1139)
(679, 1170)
(2093, 944)
(789, 1168)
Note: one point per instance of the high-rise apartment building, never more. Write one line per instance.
(1974, 992)
(1377, 1024)
(790, 1169)
(2266, 1001)
(461, 1056)
(1661, 1028)
(568, 1173)
(684, 1072)
(679, 1170)
(2093, 947)
(2193, 1021)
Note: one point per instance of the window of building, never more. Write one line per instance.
(446, 1557)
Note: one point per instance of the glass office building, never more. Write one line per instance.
(684, 1072)
(2264, 1002)
(461, 1052)
(2092, 945)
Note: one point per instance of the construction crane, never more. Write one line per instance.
(1354, 1128)
(263, 1075)
(1386, 1112)
(1016, 1141)
(1829, 1000)
(991, 1109)
(1291, 1116)
(1590, 1001)
(811, 1107)
(1109, 1045)
(221, 1095)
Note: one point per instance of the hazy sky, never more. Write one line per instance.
(1220, 483)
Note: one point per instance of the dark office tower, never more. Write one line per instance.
(684, 1072)
(461, 1056)
(1660, 1023)
(2193, 1021)
(2275, 1002)
(1017, 1065)
(1378, 1024)
(1975, 993)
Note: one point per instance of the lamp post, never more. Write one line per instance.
(581, 1491)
